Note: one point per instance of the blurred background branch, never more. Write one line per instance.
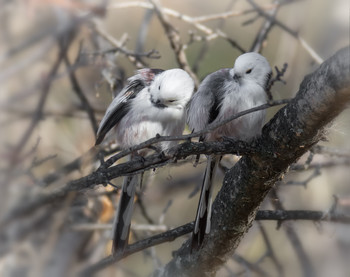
(61, 62)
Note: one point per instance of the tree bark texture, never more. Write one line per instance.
(322, 96)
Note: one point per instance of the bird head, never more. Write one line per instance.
(172, 88)
(251, 67)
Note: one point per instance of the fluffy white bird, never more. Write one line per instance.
(154, 102)
(220, 95)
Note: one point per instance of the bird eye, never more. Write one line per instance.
(172, 100)
(159, 87)
(248, 71)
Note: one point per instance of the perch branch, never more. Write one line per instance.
(322, 96)
(171, 235)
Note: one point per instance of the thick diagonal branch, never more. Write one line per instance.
(294, 129)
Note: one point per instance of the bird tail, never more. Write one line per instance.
(203, 216)
(122, 219)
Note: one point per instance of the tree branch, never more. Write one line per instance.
(305, 263)
(210, 128)
(175, 41)
(80, 94)
(274, 21)
(106, 173)
(257, 45)
(293, 130)
(171, 235)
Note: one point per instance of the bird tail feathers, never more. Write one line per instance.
(203, 216)
(123, 216)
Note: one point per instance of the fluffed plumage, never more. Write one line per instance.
(220, 95)
(153, 102)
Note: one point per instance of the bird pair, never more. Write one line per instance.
(160, 102)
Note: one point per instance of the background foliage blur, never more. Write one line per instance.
(44, 125)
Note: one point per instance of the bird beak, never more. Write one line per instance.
(158, 104)
(236, 77)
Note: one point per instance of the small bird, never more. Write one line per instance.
(221, 94)
(153, 102)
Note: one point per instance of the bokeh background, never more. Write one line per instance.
(45, 125)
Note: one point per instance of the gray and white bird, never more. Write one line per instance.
(153, 102)
(220, 95)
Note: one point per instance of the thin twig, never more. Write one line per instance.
(278, 77)
(134, 227)
(115, 43)
(270, 251)
(68, 168)
(187, 18)
(264, 31)
(152, 54)
(195, 21)
(175, 41)
(313, 166)
(143, 209)
(103, 175)
(304, 260)
(210, 128)
(79, 92)
(249, 267)
(319, 149)
(172, 234)
(40, 106)
(284, 27)
(315, 173)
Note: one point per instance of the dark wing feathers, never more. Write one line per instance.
(216, 83)
(118, 108)
(205, 104)
(214, 110)
(120, 105)
(113, 119)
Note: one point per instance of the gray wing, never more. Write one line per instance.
(205, 105)
(118, 108)
(120, 105)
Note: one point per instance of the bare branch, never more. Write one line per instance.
(117, 44)
(293, 130)
(106, 173)
(175, 41)
(304, 183)
(195, 21)
(152, 54)
(249, 267)
(304, 260)
(79, 92)
(171, 235)
(210, 128)
(264, 31)
(37, 117)
(103, 175)
(284, 27)
(62, 223)
(270, 252)
(134, 227)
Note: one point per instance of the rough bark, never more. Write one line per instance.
(292, 131)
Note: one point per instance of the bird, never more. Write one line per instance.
(152, 103)
(220, 95)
